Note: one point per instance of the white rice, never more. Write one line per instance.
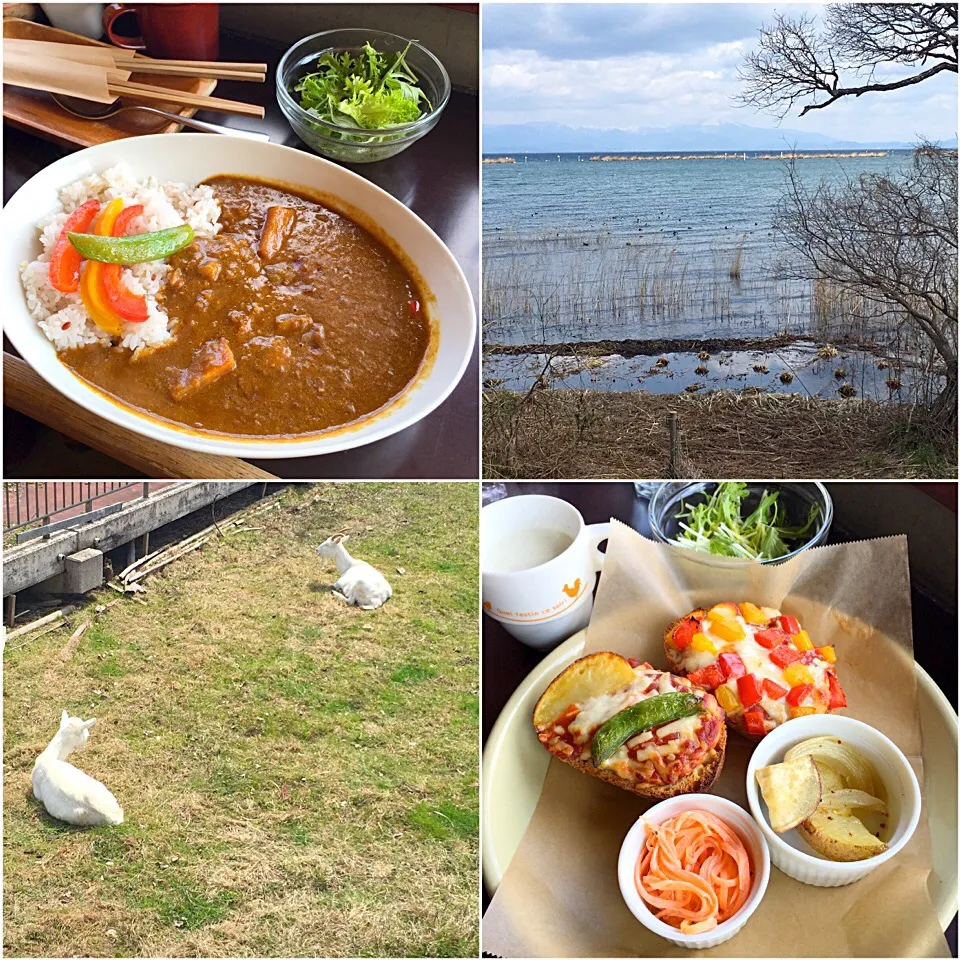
(62, 316)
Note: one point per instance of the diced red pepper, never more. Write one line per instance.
(837, 696)
(773, 690)
(749, 690)
(414, 306)
(708, 677)
(789, 624)
(731, 665)
(64, 271)
(770, 637)
(754, 719)
(797, 693)
(683, 633)
(785, 654)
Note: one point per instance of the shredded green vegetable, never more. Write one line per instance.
(370, 91)
(716, 525)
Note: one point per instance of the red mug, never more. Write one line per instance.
(171, 31)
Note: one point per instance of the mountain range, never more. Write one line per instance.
(702, 138)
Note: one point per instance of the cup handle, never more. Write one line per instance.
(110, 14)
(597, 533)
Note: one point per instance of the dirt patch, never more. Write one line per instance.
(587, 434)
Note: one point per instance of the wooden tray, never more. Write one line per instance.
(35, 111)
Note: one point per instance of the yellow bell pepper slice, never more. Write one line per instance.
(828, 653)
(702, 644)
(752, 613)
(721, 612)
(91, 278)
(728, 630)
(801, 712)
(728, 699)
(802, 641)
(797, 674)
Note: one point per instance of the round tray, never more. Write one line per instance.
(514, 766)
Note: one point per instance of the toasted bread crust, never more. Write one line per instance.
(701, 780)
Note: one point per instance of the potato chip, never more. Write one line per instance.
(791, 791)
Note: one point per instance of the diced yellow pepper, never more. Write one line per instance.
(702, 644)
(729, 648)
(828, 654)
(728, 699)
(751, 613)
(801, 712)
(727, 630)
(721, 612)
(797, 674)
(802, 641)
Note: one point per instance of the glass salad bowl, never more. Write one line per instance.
(353, 144)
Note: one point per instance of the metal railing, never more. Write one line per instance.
(40, 504)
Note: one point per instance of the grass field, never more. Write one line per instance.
(299, 777)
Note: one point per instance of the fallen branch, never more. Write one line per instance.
(67, 652)
(41, 622)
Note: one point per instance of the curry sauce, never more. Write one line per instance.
(292, 320)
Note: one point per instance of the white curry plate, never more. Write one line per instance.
(190, 158)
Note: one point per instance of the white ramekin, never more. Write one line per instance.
(745, 828)
(788, 851)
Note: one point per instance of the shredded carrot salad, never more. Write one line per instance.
(694, 871)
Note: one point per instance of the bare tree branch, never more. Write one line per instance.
(797, 66)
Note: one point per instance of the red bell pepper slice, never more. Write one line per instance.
(683, 633)
(709, 677)
(837, 697)
(773, 690)
(785, 654)
(129, 306)
(731, 665)
(789, 624)
(749, 690)
(770, 637)
(64, 271)
(754, 719)
(797, 693)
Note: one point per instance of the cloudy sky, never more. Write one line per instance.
(656, 65)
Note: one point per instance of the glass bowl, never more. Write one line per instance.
(797, 498)
(349, 144)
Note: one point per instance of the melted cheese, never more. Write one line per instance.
(756, 660)
(597, 710)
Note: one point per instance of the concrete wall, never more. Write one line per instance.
(39, 560)
(451, 35)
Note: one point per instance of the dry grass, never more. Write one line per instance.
(299, 777)
(594, 434)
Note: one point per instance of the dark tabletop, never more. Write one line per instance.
(437, 178)
(506, 661)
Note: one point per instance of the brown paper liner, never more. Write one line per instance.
(559, 897)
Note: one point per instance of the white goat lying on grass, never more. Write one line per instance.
(68, 793)
(359, 583)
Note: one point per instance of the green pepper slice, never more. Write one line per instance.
(136, 249)
(641, 716)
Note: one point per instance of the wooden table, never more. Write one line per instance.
(437, 178)
(506, 661)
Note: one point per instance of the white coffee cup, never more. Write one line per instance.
(539, 565)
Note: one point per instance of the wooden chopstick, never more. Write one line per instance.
(217, 65)
(25, 391)
(161, 67)
(143, 91)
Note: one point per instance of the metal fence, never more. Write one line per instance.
(40, 504)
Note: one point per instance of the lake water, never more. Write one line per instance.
(643, 248)
(578, 250)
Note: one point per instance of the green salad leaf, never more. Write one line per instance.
(716, 525)
(369, 91)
